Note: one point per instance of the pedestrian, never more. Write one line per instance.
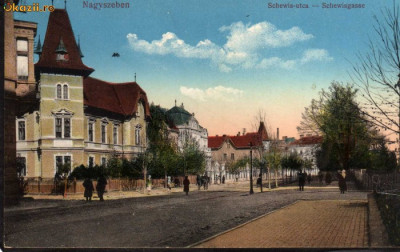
(302, 180)
(259, 181)
(198, 181)
(223, 179)
(88, 189)
(101, 186)
(342, 181)
(186, 184)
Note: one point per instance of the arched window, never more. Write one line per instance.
(65, 92)
(59, 91)
(137, 135)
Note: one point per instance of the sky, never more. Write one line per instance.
(225, 60)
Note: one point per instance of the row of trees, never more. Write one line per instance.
(162, 157)
(350, 140)
(272, 160)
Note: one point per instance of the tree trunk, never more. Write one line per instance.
(269, 178)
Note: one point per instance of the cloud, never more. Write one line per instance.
(244, 47)
(315, 55)
(215, 93)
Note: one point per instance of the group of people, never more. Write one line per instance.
(341, 176)
(89, 188)
(202, 181)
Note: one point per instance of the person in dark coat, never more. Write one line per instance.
(198, 181)
(302, 180)
(223, 179)
(342, 181)
(101, 187)
(88, 189)
(186, 184)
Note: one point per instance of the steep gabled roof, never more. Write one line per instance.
(120, 98)
(308, 140)
(243, 141)
(59, 32)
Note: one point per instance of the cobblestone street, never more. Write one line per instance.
(305, 224)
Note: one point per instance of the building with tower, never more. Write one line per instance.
(67, 117)
(187, 128)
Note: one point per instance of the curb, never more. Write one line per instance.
(377, 234)
(241, 225)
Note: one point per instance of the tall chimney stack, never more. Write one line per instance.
(277, 133)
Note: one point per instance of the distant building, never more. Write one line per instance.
(226, 149)
(184, 127)
(65, 116)
(306, 147)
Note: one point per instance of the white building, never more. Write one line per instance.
(189, 130)
(306, 148)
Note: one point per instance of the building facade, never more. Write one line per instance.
(228, 149)
(187, 128)
(307, 147)
(69, 117)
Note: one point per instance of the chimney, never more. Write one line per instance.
(244, 131)
(277, 133)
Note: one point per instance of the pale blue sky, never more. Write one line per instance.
(223, 59)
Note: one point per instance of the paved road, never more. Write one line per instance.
(174, 220)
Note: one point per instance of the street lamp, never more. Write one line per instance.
(251, 168)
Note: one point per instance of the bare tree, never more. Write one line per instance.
(378, 71)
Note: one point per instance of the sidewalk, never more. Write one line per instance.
(304, 224)
(241, 186)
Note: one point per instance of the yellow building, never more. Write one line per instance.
(69, 117)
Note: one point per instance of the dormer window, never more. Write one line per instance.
(61, 51)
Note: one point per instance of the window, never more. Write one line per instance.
(63, 127)
(232, 156)
(58, 91)
(22, 59)
(91, 161)
(103, 161)
(62, 92)
(63, 160)
(225, 156)
(90, 131)
(21, 130)
(103, 133)
(65, 92)
(115, 134)
(21, 166)
(137, 135)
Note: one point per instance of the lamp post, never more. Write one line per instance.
(251, 168)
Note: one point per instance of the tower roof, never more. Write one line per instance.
(60, 39)
(178, 115)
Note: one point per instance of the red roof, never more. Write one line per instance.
(308, 140)
(59, 27)
(121, 98)
(255, 138)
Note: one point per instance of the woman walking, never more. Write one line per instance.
(88, 189)
(186, 183)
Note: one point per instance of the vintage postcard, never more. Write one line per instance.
(200, 124)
